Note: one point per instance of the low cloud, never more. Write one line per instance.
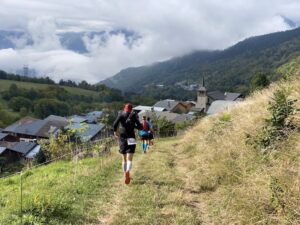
(162, 30)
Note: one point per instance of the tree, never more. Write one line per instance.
(40, 158)
(3, 75)
(16, 103)
(259, 81)
(165, 127)
(23, 112)
(83, 84)
(45, 107)
(32, 94)
(5, 117)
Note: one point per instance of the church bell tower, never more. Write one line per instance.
(202, 98)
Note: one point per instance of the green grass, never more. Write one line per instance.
(59, 193)
(5, 84)
(92, 192)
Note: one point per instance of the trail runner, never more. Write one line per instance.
(144, 134)
(128, 121)
(151, 132)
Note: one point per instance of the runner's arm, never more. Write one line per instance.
(116, 125)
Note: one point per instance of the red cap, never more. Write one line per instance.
(128, 108)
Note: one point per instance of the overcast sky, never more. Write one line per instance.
(166, 28)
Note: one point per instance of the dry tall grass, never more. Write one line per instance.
(238, 184)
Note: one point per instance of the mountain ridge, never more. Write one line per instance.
(218, 66)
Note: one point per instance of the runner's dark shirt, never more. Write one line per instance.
(127, 128)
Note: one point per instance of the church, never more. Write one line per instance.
(214, 101)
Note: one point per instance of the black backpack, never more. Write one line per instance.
(128, 122)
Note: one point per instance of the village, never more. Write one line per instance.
(20, 140)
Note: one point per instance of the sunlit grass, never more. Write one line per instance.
(59, 193)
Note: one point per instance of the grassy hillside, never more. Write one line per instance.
(59, 193)
(238, 184)
(210, 175)
(5, 84)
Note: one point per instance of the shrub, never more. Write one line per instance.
(259, 81)
(40, 158)
(17, 103)
(218, 126)
(165, 127)
(279, 125)
(184, 125)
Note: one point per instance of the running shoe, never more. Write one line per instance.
(127, 177)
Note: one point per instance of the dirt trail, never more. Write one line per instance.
(119, 189)
(160, 191)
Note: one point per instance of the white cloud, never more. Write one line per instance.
(10, 60)
(167, 28)
(43, 33)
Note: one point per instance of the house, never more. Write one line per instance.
(25, 148)
(227, 96)
(9, 155)
(192, 103)
(7, 137)
(61, 121)
(220, 106)
(215, 96)
(167, 104)
(97, 114)
(169, 116)
(77, 119)
(29, 128)
(14, 151)
(85, 132)
(91, 118)
(142, 108)
(231, 96)
(173, 106)
(33, 152)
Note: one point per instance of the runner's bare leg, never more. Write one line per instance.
(129, 161)
(124, 162)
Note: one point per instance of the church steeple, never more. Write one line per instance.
(202, 84)
(202, 98)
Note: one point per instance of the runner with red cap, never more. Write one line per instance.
(128, 121)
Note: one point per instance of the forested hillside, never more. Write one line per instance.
(229, 69)
(40, 97)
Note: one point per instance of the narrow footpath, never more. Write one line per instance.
(159, 193)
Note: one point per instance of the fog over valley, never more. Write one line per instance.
(93, 40)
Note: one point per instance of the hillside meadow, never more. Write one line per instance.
(242, 184)
(59, 193)
(5, 84)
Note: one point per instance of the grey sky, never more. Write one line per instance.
(167, 28)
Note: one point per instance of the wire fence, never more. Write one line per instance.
(81, 151)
